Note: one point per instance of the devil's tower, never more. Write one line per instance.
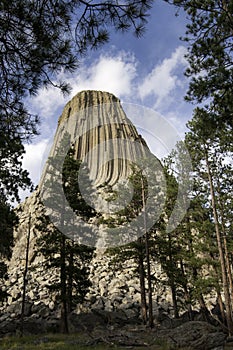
(101, 136)
(96, 129)
(96, 124)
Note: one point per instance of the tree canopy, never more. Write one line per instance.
(41, 38)
(210, 38)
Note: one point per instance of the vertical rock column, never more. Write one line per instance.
(97, 125)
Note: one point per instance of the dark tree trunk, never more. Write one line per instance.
(25, 277)
(172, 279)
(142, 283)
(150, 301)
(204, 310)
(225, 281)
(64, 321)
(186, 292)
(221, 308)
(174, 300)
(70, 282)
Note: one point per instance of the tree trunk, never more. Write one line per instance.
(204, 310)
(150, 300)
(64, 321)
(220, 250)
(228, 265)
(219, 296)
(174, 300)
(25, 276)
(221, 307)
(171, 278)
(142, 284)
(186, 293)
(70, 281)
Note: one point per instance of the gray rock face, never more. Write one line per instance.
(101, 132)
(91, 118)
(96, 127)
(94, 120)
(195, 335)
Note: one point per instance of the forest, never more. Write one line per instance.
(38, 40)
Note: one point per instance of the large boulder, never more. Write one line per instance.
(196, 335)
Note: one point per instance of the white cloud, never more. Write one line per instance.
(34, 159)
(47, 102)
(112, 73)
(116, 74)
(163, 79)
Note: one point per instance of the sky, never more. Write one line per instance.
(148, 72)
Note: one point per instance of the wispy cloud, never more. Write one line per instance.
(34, 159)
(118, 74)
(164, 78)
(112, 73)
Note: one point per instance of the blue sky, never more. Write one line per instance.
(147, 71)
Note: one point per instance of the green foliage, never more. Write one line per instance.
(132, 209)
(63, 197)
(60, 252)
(209, 35)
(71, 186)
(211, 150)
(76, 261)
(126, 253)
(12, 176)
(8, 220)
(190, 250)
(39, 39)
(67, 342)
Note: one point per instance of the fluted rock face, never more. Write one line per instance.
(96, 127)
(102, 135)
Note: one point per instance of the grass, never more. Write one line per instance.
(62, 342)
(45, 342)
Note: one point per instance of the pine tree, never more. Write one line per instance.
(210, 151)
(135, 250)
(209, 36)
(59, 241)
(146, 200)
(186, 251)
(7, 223)
(72, 261)
(165, 243)
(38, 40)
(12, 176)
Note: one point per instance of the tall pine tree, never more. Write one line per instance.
(62, 251)
(210, 153)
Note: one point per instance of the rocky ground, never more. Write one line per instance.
(116, 329)
(111, 313)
